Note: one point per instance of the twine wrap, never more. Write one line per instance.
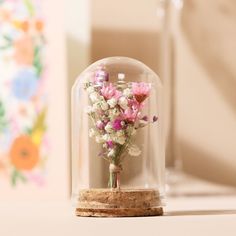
(115, 170)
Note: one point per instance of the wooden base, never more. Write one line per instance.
(124, 212)
(119, 203)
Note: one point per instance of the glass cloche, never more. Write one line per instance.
(117, 142)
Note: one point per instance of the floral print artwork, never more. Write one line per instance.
(23, 98)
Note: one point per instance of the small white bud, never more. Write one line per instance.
(123, 102)
(134, 150)
(104, 106)
(112, 102)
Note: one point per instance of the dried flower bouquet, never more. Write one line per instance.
(115, 110)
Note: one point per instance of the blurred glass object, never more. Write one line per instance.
(199, 77)
(97, 134)
(168, 12)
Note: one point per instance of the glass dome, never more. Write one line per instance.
(117, 141)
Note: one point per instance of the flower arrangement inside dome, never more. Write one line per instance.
(116, 113)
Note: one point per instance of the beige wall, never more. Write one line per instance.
(125, 28)
(205, 89)
(204, 75)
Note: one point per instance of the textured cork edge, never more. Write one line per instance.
(120, 212)
(119, 203)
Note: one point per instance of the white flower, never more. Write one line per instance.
(104, 106)
(90, 89)
(94, 97)
(108, 128)
(89, 110)
(120, 133)
(143, 123)
(112, 102)
(120, 139)
(99, 139)
(105, 145)
(131, 130)
(127, 92)
(134, 150)
(111, 153)
(92, 133)
(106, 137)
(114, 112)
(96, 107)
(123, 102)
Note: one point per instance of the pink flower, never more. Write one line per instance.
(141, 91)
(130, 115)
(110, 144)
(117, 125)
(134, 105)
(109, 91)
(100, 124)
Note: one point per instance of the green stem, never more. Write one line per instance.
(114, 180)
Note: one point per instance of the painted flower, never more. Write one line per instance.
(39, 25)
(109, 91)
(24, 154)
(24, 84)
(141, 91)
(22, 25)
(24, 51)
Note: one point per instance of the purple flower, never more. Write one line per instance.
(145, 118)
(155, 118)
(101, 76)
(110, 144)
(117, 124)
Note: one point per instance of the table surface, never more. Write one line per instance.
(184, 215)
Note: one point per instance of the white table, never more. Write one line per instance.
(190, 216)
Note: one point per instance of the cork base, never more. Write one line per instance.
(119, 203)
